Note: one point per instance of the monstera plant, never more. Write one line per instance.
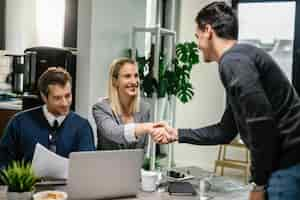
(174, 77)
(180, 80)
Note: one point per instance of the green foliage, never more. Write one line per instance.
(147, 164)
(186, 56)
(19, 177)
(170, 82)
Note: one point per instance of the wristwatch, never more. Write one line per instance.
(257, 188)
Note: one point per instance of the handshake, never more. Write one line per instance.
(162, 133)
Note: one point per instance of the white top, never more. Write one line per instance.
(51, 118)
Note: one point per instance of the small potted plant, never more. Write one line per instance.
(20, 179)
(149, 178)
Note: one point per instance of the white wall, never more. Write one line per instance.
(83, 90)
(207, 105)
(104, 30)
(20, 25)
(28, 25)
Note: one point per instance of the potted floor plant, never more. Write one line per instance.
(175, 82)
(174, 78)
(20, 179)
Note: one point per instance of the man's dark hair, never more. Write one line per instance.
(53, 76)
(222, 19)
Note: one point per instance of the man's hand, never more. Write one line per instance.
(257, 195)
(164, 134)
(160, 135)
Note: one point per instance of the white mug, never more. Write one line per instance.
(149, 180)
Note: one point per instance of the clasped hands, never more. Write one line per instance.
(162, 133)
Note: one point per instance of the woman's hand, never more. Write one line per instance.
(143, 128)
(163, 133)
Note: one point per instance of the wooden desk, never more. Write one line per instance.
(218, 193)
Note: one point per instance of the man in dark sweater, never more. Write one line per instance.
(52, 125)
(262, 106)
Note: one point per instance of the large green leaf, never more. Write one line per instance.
(176, 82)
(149, 85)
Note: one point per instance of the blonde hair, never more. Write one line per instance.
(113, 95)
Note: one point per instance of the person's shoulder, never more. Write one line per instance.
(240, 53)
(102, 104)
(22, 117)
(77, 122)
(76, 116)
(240, 47)
(237, 51)
(28, 112)
(77, 119)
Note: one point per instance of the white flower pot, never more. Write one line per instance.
(3, 192)
(19, 195)
(149, 180)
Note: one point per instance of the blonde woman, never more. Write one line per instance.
(122, 118)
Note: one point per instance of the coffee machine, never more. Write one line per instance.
(16, 77)
(36, 61)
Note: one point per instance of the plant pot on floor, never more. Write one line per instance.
(3, 191)
(19, 195)
(149, 180)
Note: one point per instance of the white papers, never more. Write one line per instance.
(48, 164)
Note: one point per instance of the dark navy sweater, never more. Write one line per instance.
(30, 127)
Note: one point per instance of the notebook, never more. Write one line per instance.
(181, 188)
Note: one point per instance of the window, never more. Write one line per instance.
(50, 22)
(261, 24)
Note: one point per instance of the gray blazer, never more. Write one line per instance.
(111, 129)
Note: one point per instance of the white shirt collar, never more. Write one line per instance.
(51, 118)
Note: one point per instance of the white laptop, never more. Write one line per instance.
(104, 174)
